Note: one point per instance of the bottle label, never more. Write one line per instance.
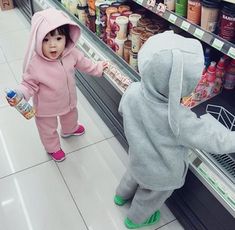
(25, 109)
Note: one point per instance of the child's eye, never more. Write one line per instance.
(59, 38)
(45, 40)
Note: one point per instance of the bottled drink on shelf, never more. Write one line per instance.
(17, 100)
(219, 75)
(210, 77)
(229, 77)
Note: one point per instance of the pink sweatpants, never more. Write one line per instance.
(47, 128)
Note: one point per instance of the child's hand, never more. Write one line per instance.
(105, 64)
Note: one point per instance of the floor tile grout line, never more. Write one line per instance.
(43, 162)
(165, 224)
(89, 145)
(72, 197)
(25, 169)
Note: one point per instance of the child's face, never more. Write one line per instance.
(53, 46)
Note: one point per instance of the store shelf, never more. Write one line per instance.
(213, 179)
(231, 1)
(211, 39)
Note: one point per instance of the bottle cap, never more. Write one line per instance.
(10, 93)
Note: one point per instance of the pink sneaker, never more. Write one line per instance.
(58, 155)
(78, 132)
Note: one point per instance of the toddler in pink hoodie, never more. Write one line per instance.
(48, 77)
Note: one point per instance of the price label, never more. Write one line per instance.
(96, 57)
(217, 44)
(161, 8)
(140, 2)
(90, 52)
(172, 18)
(198, 33)
(185, 26)
(231, 52)
(151, 3)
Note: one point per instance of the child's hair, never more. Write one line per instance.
(62, 30)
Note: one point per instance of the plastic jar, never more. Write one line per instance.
(91, 7)
(170, 4)
(143, 22)
(82, 14)
(209, 14)
(121, 22)
(123, 8)
(133, 20)
(133, 60)
(116, 4)
(194, 11)
(153, 28)
(127, 13)
(126, 50)
(227, 22)
(119, 46)
(181, 7)
(102, 14)
(112, 21)
(144, 37)
(91, 23)
(135, 38)
(109, 11)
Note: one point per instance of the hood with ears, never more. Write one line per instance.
(170, 67)
(41, 24)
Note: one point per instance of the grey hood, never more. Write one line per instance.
(170, 63)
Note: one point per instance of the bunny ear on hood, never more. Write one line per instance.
(171, 66)
(41, 24)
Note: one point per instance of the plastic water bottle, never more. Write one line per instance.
(20, 103)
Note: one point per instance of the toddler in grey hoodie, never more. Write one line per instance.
(159, 130)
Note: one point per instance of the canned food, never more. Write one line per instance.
(134, 60)
(126, 50)
(135, 38)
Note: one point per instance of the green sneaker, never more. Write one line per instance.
(118, 200)
(150, 221)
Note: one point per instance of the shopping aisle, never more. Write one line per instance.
(35, 192)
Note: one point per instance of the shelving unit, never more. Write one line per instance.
(211, 39)
(207, 180)
(26, 7)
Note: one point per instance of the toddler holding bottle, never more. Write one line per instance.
(48, 77)
(160, 130)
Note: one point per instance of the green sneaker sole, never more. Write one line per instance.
(151, 221)
(118, 200)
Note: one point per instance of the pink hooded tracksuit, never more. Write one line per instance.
(51, 83)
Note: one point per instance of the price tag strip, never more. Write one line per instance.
(217, 44)
(198, 33)
(231, 52)
(172, 18)
(185, 26)
(213, 180)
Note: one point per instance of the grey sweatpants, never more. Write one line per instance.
(145, 201)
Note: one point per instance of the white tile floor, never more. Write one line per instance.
(39, 194)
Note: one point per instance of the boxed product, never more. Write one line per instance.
(6, 4)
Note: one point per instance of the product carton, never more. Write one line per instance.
(6, 4)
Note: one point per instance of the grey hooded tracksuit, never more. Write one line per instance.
(159, 129)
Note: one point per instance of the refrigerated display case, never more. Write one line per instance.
(207, 200)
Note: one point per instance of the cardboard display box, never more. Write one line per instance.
(6, 4)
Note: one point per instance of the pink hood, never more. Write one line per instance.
(51, 83)
(42, 23)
